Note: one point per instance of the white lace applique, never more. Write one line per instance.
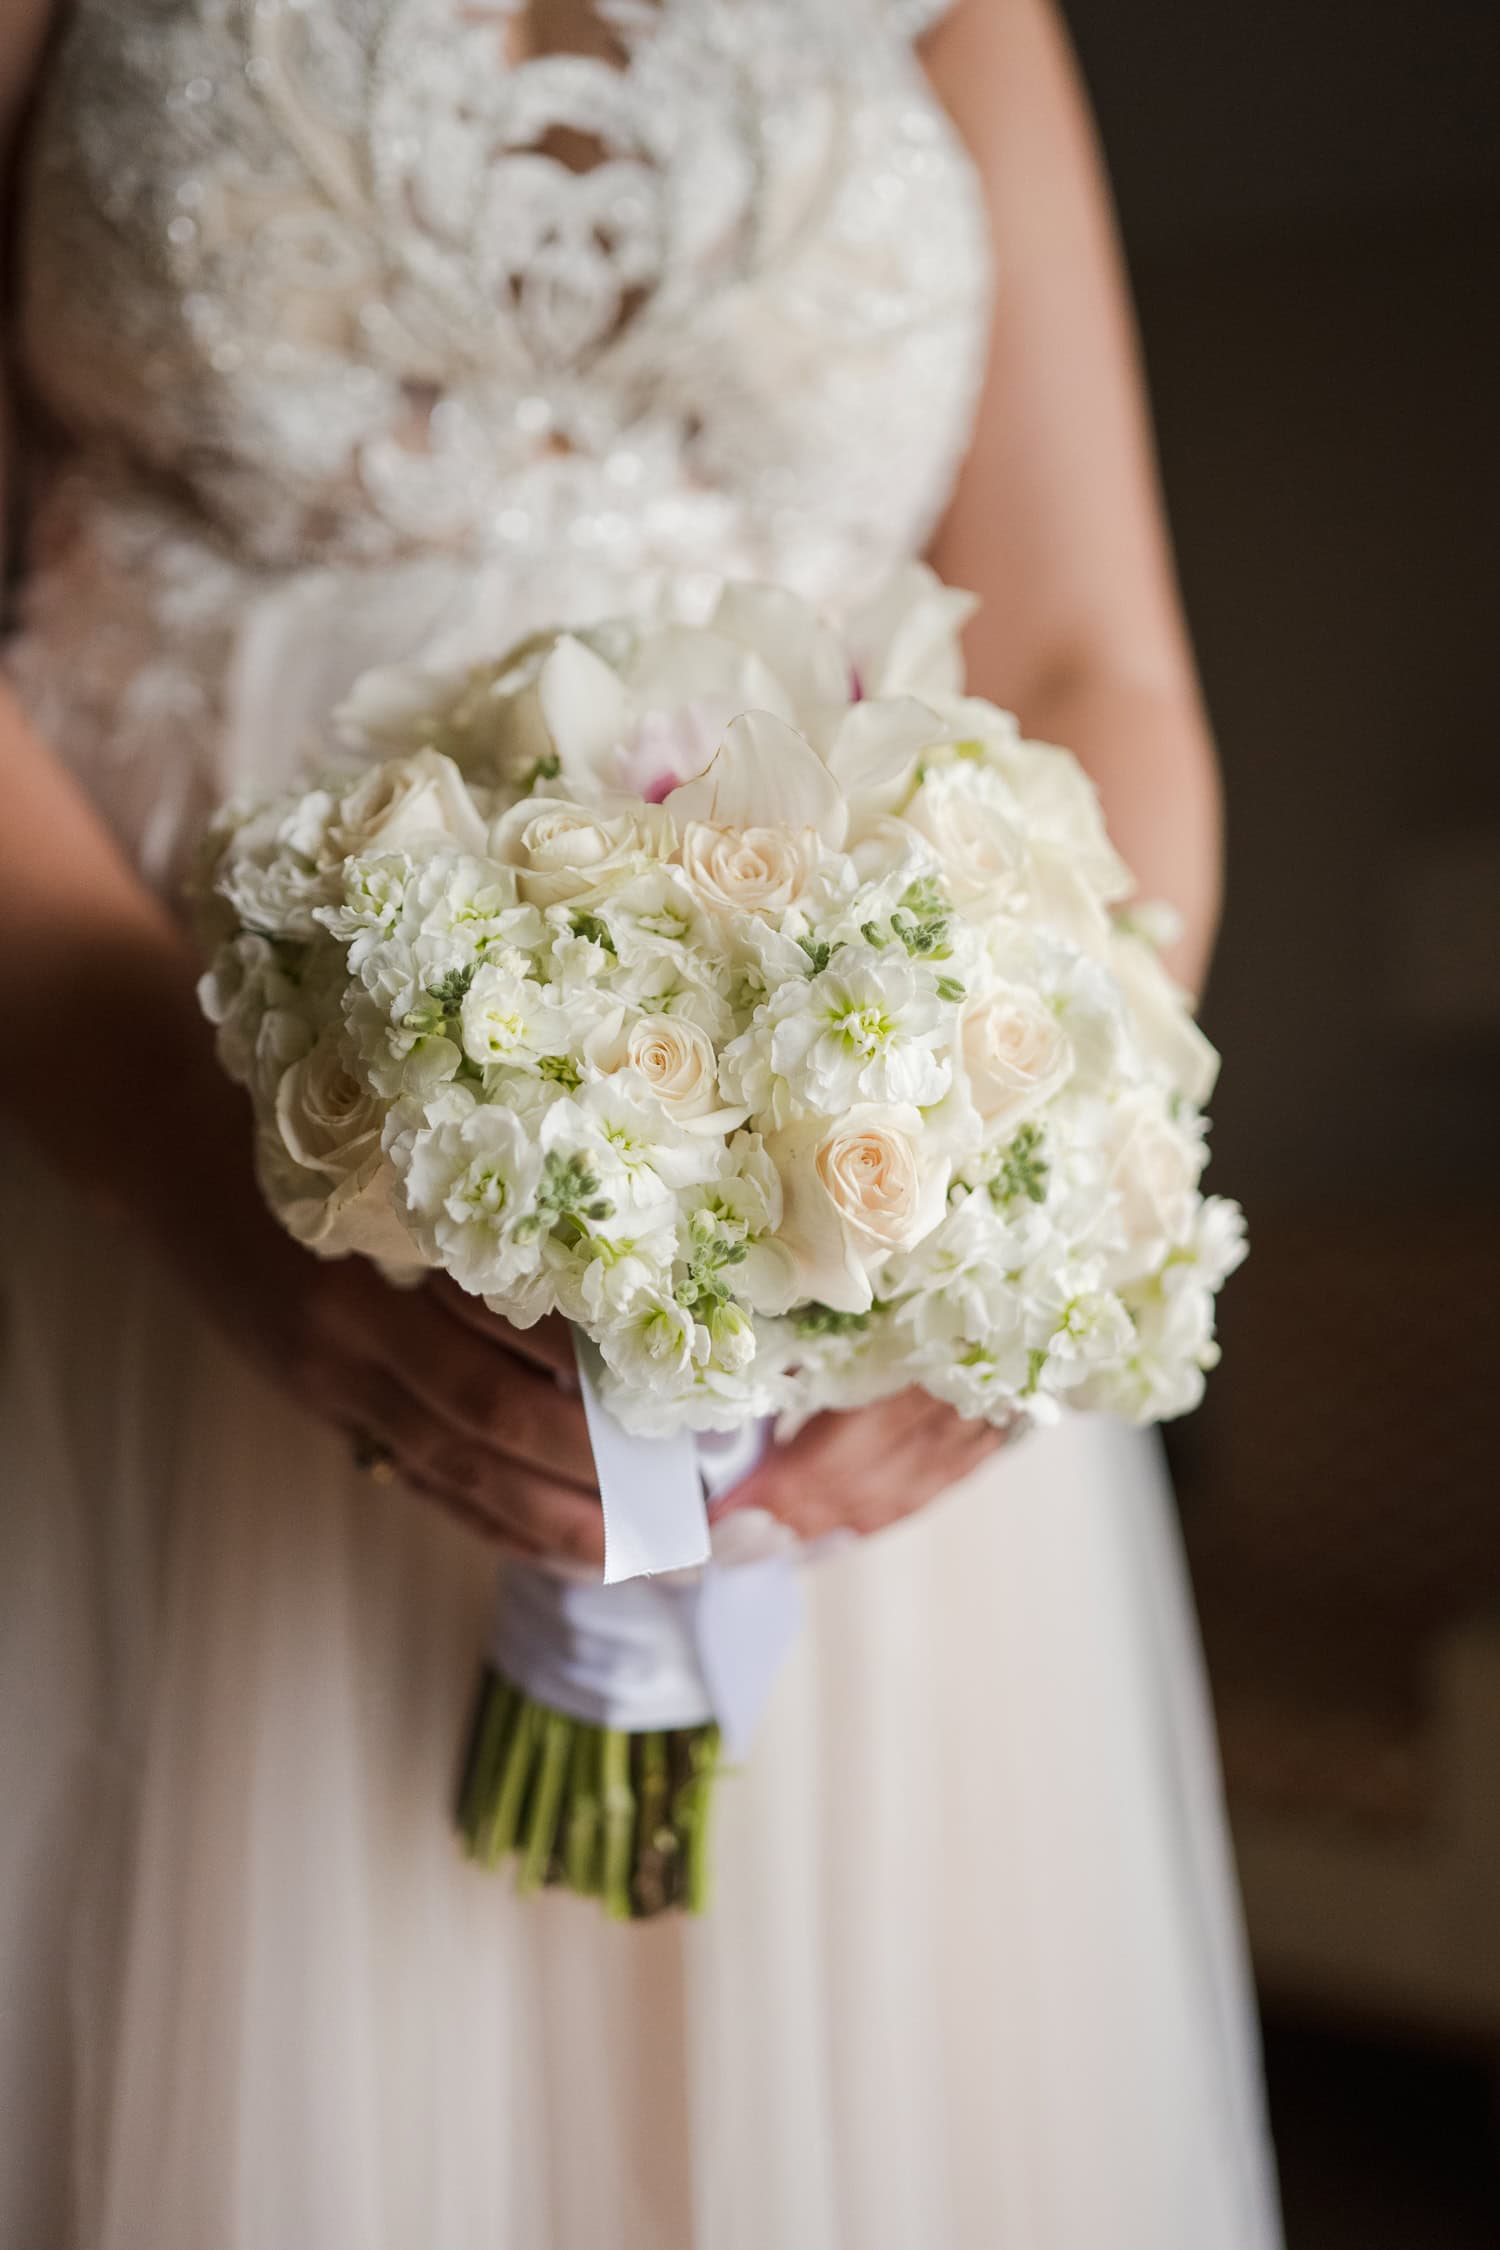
(576, 292)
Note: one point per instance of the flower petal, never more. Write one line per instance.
(793, 640)
(681, 665)
(764, 775)
(874, 753)
(905, 641)
(586, 710)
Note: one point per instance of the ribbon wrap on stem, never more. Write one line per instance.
(641, 1652)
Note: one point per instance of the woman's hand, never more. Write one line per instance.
(484, 1418)
(863, 1470)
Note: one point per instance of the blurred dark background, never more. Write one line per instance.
(1310, 193)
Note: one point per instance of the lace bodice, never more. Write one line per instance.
(564, 293)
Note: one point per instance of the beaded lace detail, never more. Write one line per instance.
(574, 293)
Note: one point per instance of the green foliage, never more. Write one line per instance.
(591, 927)
(451, 991)
(1024, 1170)
(822, 1320)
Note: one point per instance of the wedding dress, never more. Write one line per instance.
(356, 322)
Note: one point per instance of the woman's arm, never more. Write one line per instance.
(1057, 525)
(89, 956)
(1057, 521)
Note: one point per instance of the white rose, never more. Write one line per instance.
(677, 1061)
(326, 1114)
(855, 1193)
(973, 824)
(1015, 1053)
(561, 850)
(1177, 1051)
(423, 797)
(1154, 1168)
(748, 870)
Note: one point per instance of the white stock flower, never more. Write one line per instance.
(855, 1192)
(469, 1188)
(421, 799)
(656, 1346)
(604, 1276)
(508, 1020)
(374, 895)
(276, 891)
(244, 984)
(866, 1028)
(639, 1151)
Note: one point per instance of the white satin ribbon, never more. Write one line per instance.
(641, 1653)
(652, 1494)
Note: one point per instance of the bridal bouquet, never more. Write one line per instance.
(750, 996)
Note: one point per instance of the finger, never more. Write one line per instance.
(925, 1469)
(827, 1451)
(549, 1344)
(510, 1543)
(878, 1466)
(553, 1519)
(466, 1378)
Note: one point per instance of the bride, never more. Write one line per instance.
(342, 325)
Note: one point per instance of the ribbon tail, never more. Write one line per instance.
(655, 1518)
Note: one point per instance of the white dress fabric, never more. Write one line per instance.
(360, 322)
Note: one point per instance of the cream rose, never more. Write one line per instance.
(327, 1127)
(423, 796)
(561, 850)
(678, 1062)
(327, 1117)
(1015, 1054)
(855, 1192)
(748, 870)
(967, 817)
(1154, 1169)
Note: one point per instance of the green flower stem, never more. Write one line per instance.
(581, 1839)
(498, 1836)
(492, 1716)
(655, 1843)
(619, 1822)
(690, 1815)
(556, 1746)
(618, 1817)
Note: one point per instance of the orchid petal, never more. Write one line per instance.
(905, 641)
(874, 753)
(586, 710)
(798, 647)
(764, 775)
(683, 664)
